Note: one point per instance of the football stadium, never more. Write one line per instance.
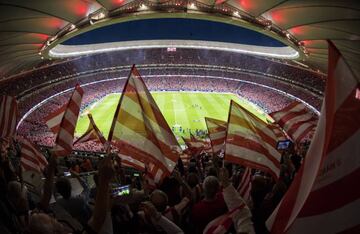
(143, 116)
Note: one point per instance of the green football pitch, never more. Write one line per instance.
(181, 109)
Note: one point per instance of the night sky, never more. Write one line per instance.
(191, 29)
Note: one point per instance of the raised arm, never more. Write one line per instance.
(106, 173)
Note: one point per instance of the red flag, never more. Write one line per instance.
(139, 129)
(31, 158)
(63, 121)
(8, 115)
(325, 194)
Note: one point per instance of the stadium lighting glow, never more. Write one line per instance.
(192, 6)
(72, 27)
(63, 51)
(143, 7)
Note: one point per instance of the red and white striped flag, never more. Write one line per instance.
(196, 146)
(31, 158)
(325, 194)
(279, 133)
(223, 223)
(244, 187)
(217, 134)
(127, 161)
(139, 129)
(250, 142)
(92, 133)
(63, 121)
(8, 116)
(296, 120)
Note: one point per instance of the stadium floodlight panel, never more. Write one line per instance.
(64, 51)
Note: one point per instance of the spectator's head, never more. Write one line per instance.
(63, 187)
(17, 195)
(211, 186)
(159, 199)
(212, 171)
(192, 180)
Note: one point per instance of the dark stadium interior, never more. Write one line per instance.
(295, 59)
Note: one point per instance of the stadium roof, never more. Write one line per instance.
(29, 29)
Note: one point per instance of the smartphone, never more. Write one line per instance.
(282, 145)
(67, 173)
(118, 191)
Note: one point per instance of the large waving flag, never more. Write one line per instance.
(139, 129)
(325, 194)
(250, 142)
(63, 121)
(217, 134)
(8, 116)
(92, 133)
(31, 158)
(296, 119)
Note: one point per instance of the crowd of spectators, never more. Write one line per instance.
(65, 69)
(83, 197)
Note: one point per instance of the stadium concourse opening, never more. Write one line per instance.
(172, 33)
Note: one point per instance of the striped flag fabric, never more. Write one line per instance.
(250, 142)
(197, 146)
(92, 133)
(223, 223)
(217, 134)
(8, 116)
(128, 161)
(244, 187)
(279, 133)
(31, 158)
(325, 194)
(296, 120)
(139, 129)
(63, 121)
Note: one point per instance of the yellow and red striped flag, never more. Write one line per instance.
(92, 133)
(8, 116)
(63, 121)
(325, 194)
(217, 134)
(139, 129)
(250, 142)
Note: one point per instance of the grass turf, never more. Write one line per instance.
(185, 109)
